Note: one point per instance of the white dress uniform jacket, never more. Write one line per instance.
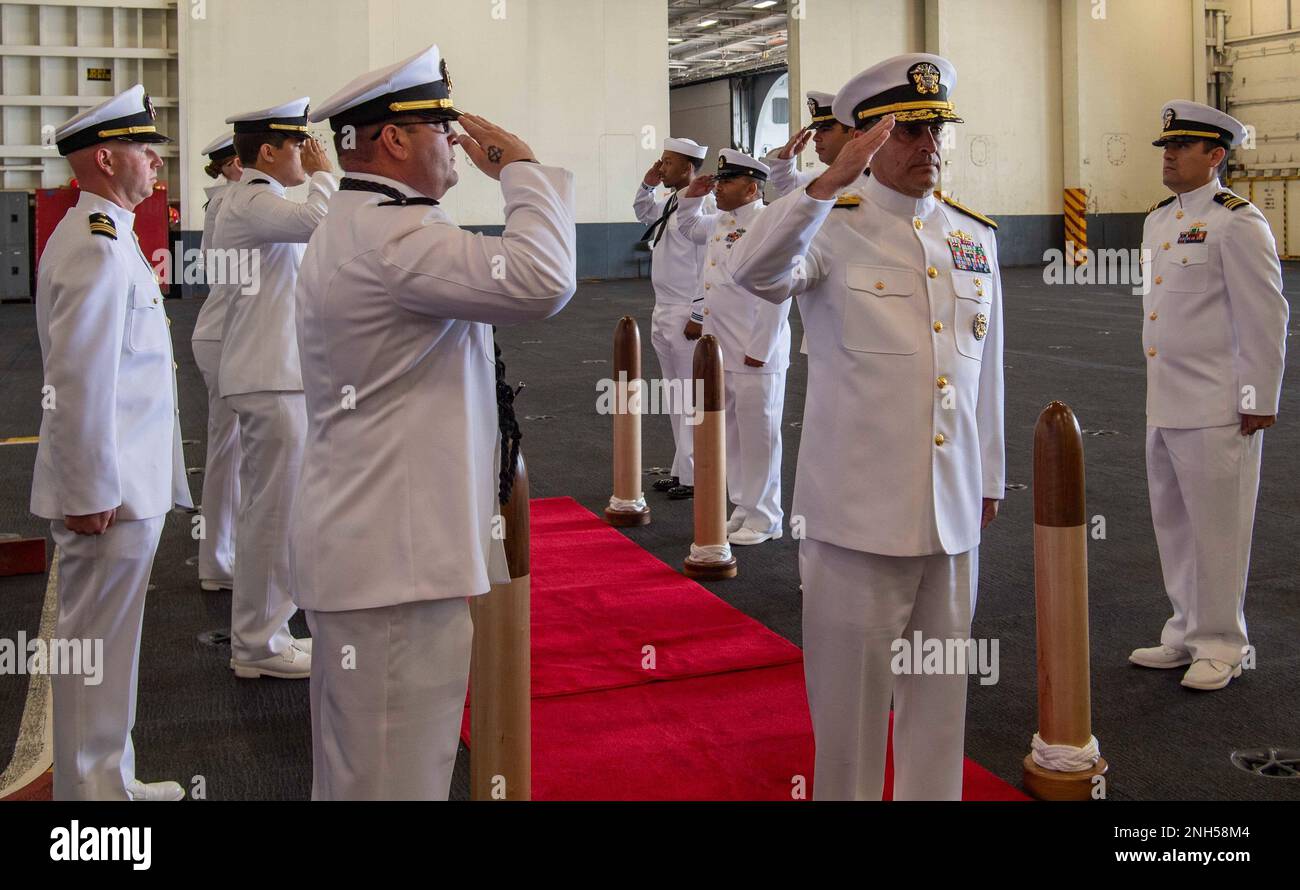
(111, 435)
(743, 324)
(259, 347)
(902, 432)
(1215, 319)
(212, 316)
(395, 304)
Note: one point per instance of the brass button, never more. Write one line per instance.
(917, 223)
(939, 439)
(706, 312)
(1151, 352)
(941, 382)
(1153, 316)
(707, 286)
(980, 292)
(717, 237)
(1178, 215)
(169, 322)
(880, 285)
(155, 299)
(938, 326)
(1184, 261)
(1165, 246)
(713, 262)
(979, 282)
(175, 367)
(932, 272)
(1160, 279)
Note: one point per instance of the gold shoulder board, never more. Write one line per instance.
(102, 224)
(966, 210)
(1231, 201)
(1157, 205)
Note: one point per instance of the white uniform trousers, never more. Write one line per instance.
(855, 605)
(272, 431)
(220, 472)
(676, 358)
(754, 405)
(1203, 484)
(387, 698)
(102, 584)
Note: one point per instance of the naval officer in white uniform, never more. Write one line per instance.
(402, 477)
(901, 460)
(1214, 333)
(827, 134)
(221, 468)
(755, 339)
(674, 273)
(260, 378)
(109, 466)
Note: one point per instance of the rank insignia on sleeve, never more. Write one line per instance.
(848, 202)
(967, 253)
(102, 224)
(1195, 235)
(980, 326)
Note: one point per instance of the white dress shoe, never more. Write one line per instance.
(303, 643)
(155, 790)
(1210, 673)
(745, 536)
(736, 522)
(212, 586)
(1160, 657)
(291, 664)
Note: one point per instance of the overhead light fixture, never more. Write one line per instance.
(706, 23)
(675, 39)
(764, 4)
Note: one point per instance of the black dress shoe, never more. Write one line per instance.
(667, 484)
(681, 492)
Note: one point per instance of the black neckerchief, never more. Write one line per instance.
(348, 184)
(656, 231)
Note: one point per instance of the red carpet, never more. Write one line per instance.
(723, 715)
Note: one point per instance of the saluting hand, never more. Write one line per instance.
(797, 143)
(490, 148)
(314, 157)
(852, 160)
(655, 175)
(700, 186)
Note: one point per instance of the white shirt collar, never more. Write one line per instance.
(125, 219)
(1200, 196)
(893, 201)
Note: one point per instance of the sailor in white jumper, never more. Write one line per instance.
(755, 339)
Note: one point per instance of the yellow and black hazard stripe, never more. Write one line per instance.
(1076, 226)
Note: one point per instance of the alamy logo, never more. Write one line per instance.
(91, 844)
(83, 658)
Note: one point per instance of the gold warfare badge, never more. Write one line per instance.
(980, 327)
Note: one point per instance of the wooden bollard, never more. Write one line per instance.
(627, 507)
(500, 702)
(711, 558)
(1061, 596)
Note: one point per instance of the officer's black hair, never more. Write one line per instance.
(697, 163)
(247, 145)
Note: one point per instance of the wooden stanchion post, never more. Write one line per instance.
(1061, 596)
(627, 507)
(711, 558)
(500, 754)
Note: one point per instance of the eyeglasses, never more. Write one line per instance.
(444, 127)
